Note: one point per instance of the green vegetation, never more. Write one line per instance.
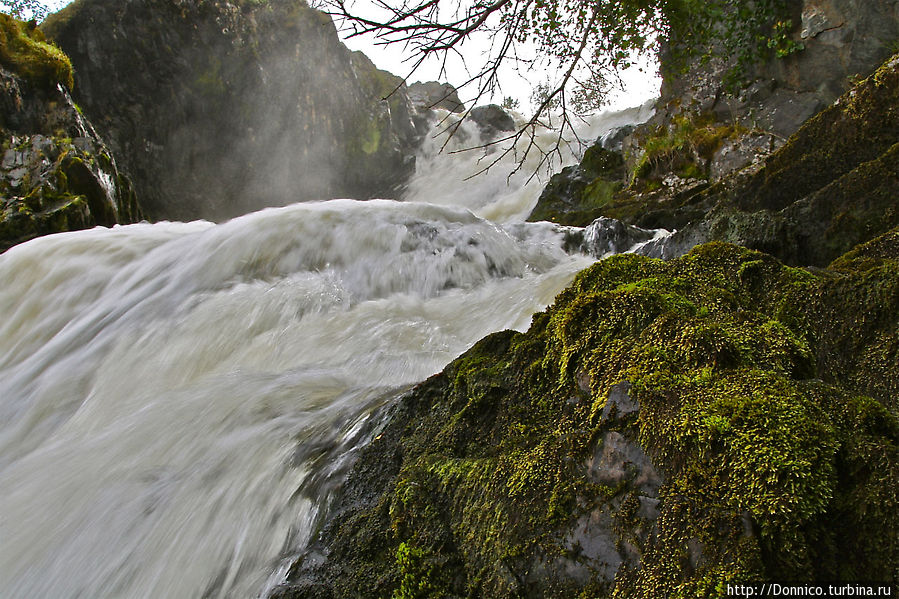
(587, 42)
(60, 190)
(24, 9)
(24, 50)
(683, 148)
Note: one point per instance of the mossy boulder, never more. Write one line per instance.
(217, 107)
(662, 430)
(577, 195)
(56, 174)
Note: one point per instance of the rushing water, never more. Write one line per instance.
(179, 401)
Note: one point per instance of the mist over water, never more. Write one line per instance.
(179, 402)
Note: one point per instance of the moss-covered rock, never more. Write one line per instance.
(56, 174)
(660, 431)
(24, 51)
(831, 187)
(577, 195)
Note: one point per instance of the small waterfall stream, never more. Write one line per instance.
(179, 401)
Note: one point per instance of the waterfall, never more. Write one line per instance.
(180, 401)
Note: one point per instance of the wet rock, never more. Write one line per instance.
(618, 460)
(492, 120)
(614, 140)
(573, 196)
(426, 96)
(606, 236)
(216, 108)
(56, 174)
(620, 402)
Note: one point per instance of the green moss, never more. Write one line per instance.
(210, 82)
(416, 575)
(684, 148)
(24, 51)
(577, 195)
(372, 139)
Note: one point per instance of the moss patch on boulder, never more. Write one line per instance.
(24, 51)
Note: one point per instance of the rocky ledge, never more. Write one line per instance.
(56, 174)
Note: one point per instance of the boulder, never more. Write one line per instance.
(433, 94)
(492, 120)
(572, 196)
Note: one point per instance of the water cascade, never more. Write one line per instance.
(179, 401)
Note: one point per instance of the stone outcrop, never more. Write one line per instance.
(219, 107)
(837, 41)
(433, 94)
(56, 174)
(704, 130)
(831, 187)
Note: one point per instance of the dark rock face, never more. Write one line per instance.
(218, 107)
(56, 174)
(492, 120)
(662, 429)
(573, 196)
(606, 236)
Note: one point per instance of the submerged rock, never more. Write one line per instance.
(56, 174)
(663, 429)
(218, 107)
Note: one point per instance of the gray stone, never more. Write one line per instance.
(605, 236)
(492, 120)
(433, 94)
(594, 541)
(619, 402)
(735, 154)
(814, 20)
(785, 112)
(613, 141)
(618, 460)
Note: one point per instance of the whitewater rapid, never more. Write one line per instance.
(180, 401)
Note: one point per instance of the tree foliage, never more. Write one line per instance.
(586, 43)
(25, 9)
